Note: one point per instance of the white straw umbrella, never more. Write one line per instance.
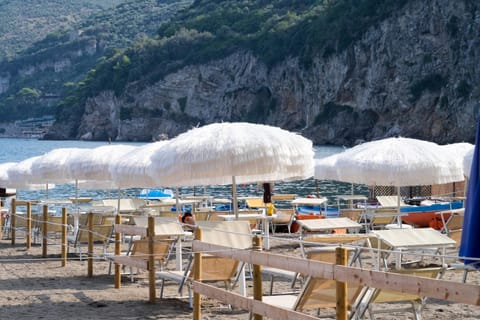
(95, 164)
(326, 169)
(4, 181)
(458, 151)
(130, 171)
(20, 176)
(398, 162)
(51, 166)
(467, 162)
(230, 153)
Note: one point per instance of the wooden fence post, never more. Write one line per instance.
(44, 231)
(64, 237)
(28, 233)
(13, 217)
(90, 244)
(341, 254)
(118, 276)
(257, 275)
(197, 268)
(151, 258)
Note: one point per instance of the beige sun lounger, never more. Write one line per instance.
(234, 234)
(317, 293)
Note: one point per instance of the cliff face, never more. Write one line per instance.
(413, 75)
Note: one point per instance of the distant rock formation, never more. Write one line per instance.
(414, 75)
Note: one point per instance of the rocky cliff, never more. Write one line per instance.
(413, 75)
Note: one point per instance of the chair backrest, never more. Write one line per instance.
(390, 201)
(138, 203)
(382, 295)
(163, 227)
(382, 217)
(161, 249)
(54, 224)
(353, 214)
(322, 293)
(284, 216)
(255, 203)
(214, 215)
(171, 215)
(455, 222)
(101, 233)
(457, 236)
(235, 234)
(201, 215)
(97, 219)
(126, 204)
(21, 220)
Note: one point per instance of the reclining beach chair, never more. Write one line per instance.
(390, 201)
(402, 301)
(102, 234)
(459, 264)
(234, 234)
(319, 242)
(317, 293)
(54, 228)
(167, 234)
(284, 218)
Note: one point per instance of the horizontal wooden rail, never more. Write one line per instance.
(440, 289)
(244, 303)
(301, 265)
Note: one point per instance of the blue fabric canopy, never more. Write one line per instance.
(155, 194)
(470, 244)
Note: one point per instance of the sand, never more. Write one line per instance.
(35, 288)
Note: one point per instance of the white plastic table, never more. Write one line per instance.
(416, 238)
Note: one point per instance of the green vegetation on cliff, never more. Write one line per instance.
(24, 22)
(133, 45)
(273, 30)
(80, 46)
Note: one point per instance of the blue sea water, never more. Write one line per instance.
(21, 149)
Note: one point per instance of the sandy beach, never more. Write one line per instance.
(36, 288)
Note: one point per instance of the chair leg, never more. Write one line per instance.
(465, 274)
(417, 310)
(271, 284)
(161, 288)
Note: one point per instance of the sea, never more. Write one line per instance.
(18, 149)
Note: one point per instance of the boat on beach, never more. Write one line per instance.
(428, 215)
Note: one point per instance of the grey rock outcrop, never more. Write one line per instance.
(413, 75)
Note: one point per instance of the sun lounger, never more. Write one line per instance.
(394, 298)
(316, 293)
(235, 234)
